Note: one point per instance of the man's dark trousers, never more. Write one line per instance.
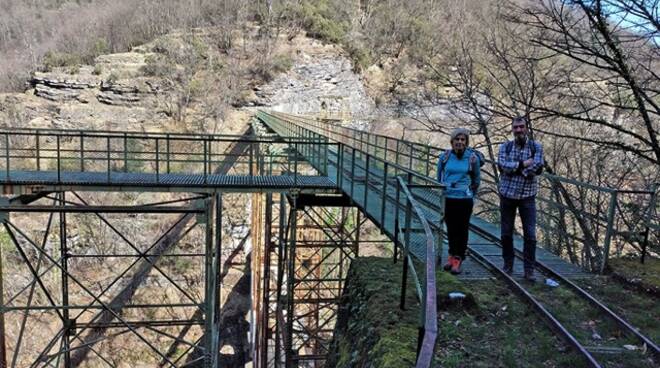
(527, 209)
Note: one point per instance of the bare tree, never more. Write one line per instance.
(613, 53)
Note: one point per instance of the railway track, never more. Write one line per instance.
(587, 325)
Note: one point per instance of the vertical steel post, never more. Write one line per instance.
(384, 196)
(397, 153)
(397, 205)
(295, 164)
(3, 348)
(281, 257)
(340, 165)
(611, 211)
(125, 152)
(157, 160)
(38, 153)
(291, 279)
(428, 160)
(251, 160)
(107, 144)
(58, 159)
(64, 255)
(167, 153)
(326, 147)
(366, 182)
(387, 148)
(266, 279)
(356, 246)
(352, 172)
(217, 275)
(7, 155)
(210, 156)
(204, 160)
(647, 221)
(404, 255)
(82, 152)
(209, 287)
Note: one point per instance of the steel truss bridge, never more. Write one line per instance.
(313, 187)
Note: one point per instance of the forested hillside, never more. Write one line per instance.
(585, 73)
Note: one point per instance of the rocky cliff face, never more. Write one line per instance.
(321, 81)
(111, 96)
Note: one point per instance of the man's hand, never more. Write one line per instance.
(529, 162)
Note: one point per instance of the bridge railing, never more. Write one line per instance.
(378, 187)
(428, 330)
(579, 221)
(69, 151)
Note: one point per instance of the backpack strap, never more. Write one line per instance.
(530, 143)
(444, 158)
(475, 159)
(508, 147)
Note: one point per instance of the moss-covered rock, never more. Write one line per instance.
(371, 330)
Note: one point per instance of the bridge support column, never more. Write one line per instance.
(321, 243)
(291, 270)
(212, 219)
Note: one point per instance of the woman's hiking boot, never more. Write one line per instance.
(449, 264)
(456, 266)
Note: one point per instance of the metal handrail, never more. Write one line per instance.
(429, 331)
(144, 135)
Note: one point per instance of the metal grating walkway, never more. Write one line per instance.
(166, 182)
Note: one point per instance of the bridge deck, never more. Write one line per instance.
(45, 180)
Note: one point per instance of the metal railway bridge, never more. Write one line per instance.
(313, 185)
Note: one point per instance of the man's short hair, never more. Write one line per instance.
(519, 119)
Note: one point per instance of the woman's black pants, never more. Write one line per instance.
(457, 218)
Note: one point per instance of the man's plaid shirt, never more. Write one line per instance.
(515, 183)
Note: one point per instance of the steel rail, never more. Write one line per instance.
(553, 323)
(581, 292)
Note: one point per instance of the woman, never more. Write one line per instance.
(460, 170)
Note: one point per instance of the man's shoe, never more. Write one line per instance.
(529, 276)
(456, 267)
(508, 268)
(449, 264)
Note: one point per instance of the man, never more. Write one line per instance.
(520, 161)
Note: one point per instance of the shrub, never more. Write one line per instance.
(100, 47)
(54, 59)
(281, 63)
(360, 57)
(323, 19)
(158, 66)
(112, 78)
